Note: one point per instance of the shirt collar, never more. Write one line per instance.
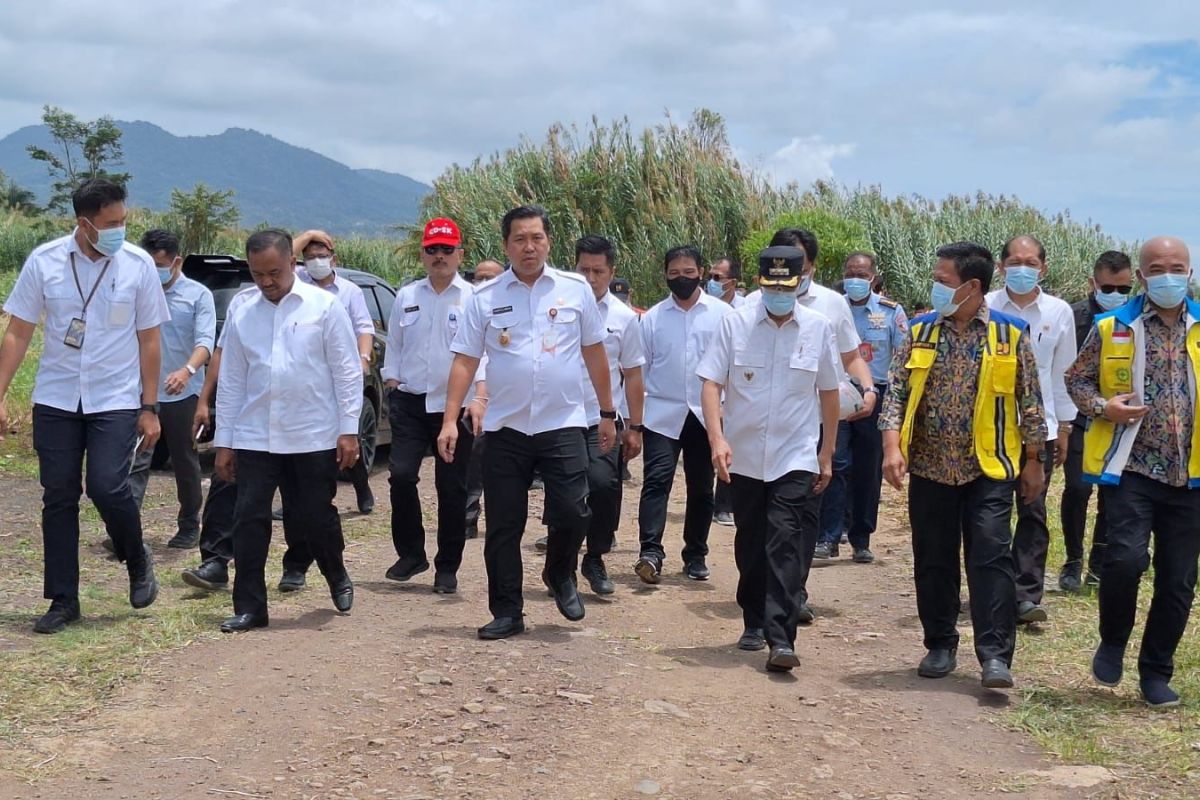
(1006, 300)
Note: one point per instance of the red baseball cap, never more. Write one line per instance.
(441, 231)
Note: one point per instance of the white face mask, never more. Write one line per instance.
(319, 268)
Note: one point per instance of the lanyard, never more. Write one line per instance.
(87, 300)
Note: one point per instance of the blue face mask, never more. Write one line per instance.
(164, 275)
(1021, 280)
(1110, 300)
(805, 282)
(1167, 291)
(941, 299)
(109, 240)
(778, 303)
(714, 287)
(857, 289)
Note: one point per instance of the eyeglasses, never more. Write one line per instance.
(442, 249)
(1109, 288)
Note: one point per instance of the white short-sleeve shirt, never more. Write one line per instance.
(771, 375)
(104, 374)
(533, 338)
(623, 346)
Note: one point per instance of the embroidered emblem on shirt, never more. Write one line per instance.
(748, 375)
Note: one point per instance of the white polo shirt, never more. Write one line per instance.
(421, 329)
(532, 337)
(291, 380)
(771, 375)
(623, 346)
(105, 374)
(674, 341)
(350, 294)
(1052, 334)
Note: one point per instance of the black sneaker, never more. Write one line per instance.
(366, 501)
(405, 568)
(61, 614)
(445, 583)
(824, 551)
(292, 581)
(648, 569)
(472, 531)
(211, 575)
(541, 544)
(696, 570)
(723, 518)
(184, 541)
(805, 615)
(863, 555)
(143, 586)
(1070, 578)
(597, 575)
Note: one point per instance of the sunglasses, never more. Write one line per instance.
(442, 249)
(1109, 288)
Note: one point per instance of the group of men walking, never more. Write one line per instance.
(795, 399)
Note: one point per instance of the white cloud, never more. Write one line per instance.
(805, 159)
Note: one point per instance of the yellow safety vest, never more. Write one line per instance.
(997, 433)
(1105, 450)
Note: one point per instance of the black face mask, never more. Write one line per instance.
(682, 287)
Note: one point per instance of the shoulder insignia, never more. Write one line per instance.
(888, 303)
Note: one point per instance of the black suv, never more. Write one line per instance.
(225, 276)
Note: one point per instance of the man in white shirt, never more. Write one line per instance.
(288, 403)
(538, 326)
(102, 305)
(425, 317)
(623, 347)
(187, 342)
(1052, 334)
(675, 334)
(315, 249)
(776, 364)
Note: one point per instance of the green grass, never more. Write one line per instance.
(16, 451)
(1082, 723)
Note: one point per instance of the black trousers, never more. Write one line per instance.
(560, 457)
(307, 483)
(176, 420)
(414, 433)
(1031, 540)
(976, 516)
(722, 498)
(1137, 507)
(768, 545)
(62, 440)
(660, 456)
(216, 521)
(475, 481)
(360, 477)
(1077, 493)
(604, 494)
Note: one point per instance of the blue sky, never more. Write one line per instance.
(1090, 106)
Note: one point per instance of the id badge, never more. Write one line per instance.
(550, 341)
(75, 332)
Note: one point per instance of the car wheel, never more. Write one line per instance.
(368, 433)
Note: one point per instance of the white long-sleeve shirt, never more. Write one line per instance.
(674, 340)
(1052, 334)
(290, 377)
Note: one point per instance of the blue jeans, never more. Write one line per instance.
(835, 497)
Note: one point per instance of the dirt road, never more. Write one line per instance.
(646, 697)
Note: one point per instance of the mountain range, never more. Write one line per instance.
(273, 181)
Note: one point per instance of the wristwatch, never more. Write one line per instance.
(191, 370)
(638, 428)
(608, 414)
(1042, 456)
(151, 407)
(1098, 406)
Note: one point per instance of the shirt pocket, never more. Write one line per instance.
(62, 301)
(802, 371)
(504, 327)
(410, 318)
(1004, 375)
(749, 370)
(120, 308)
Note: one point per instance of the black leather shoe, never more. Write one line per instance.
(445, 583)
(1070, 577)
(938, 662)
(502, 628)
(752, 640)
(405, 568)
(648, 569)
(473, 531)
(143, 586)
(1029, 612)
(61, 614)
(597, 575)
(292, 581)
(566, 596)
(541, 544)
(184, 541)
(342, 592)
(697, 570)
(239, 623)
(366, 502)
(996, 675)
(805, 615)
(782, 659)
(211, 575)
